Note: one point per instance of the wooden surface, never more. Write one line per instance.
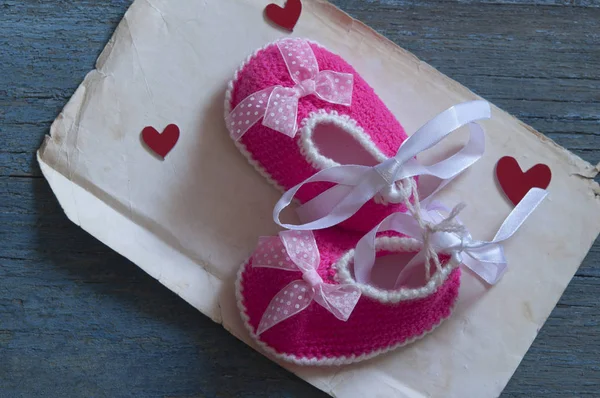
(78, 320)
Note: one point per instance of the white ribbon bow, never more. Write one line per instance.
(356, 185)
(298, 251)
(277, 105)
(485, 258)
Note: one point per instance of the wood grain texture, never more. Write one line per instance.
(77, 320)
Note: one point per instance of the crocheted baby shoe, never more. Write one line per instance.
(300, 302)
(294, 108)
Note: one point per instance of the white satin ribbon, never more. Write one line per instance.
(298, 251)
(485, 258)
(278, 105)
(356, 185)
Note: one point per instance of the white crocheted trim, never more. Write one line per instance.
(399, 245)
(330, 361)
(320, 162)
(307, 146)
(349, 125)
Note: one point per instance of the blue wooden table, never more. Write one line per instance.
(77, 320)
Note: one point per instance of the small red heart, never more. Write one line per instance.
(515, 183)
(161, 144)
(287, 16)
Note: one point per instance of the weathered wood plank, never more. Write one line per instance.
(76, 319)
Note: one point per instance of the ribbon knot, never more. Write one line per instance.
(298, 251)
(356, 184)
(389, 170)
(312, 277)
(448, 225)
(467, 243)
(278, 105)
(305, 88)
(447, 235)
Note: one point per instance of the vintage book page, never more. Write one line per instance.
(192, 219)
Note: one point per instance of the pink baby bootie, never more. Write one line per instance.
(317, 295)
(294, 109)
(332, 297)
(300, 302)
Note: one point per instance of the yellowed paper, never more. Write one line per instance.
(190, 220)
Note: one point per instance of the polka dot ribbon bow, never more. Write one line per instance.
(277, 105)
(298, 251)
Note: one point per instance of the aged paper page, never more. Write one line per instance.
(191, 219)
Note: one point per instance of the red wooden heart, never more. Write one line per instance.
(287, 16)
(161, 144)
(515, 183)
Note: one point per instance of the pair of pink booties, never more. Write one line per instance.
(297, 293)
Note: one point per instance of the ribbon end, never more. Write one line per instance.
(292, 299)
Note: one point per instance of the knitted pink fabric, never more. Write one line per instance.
(315, 336)
(281, 158)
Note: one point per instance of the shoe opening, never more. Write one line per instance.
(390, 271)
(334, 142)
